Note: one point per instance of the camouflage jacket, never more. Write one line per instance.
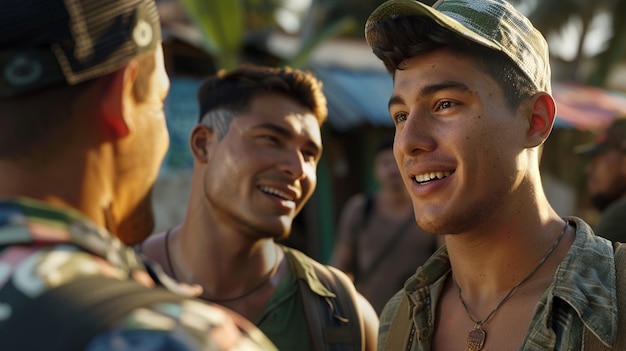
(42, 247)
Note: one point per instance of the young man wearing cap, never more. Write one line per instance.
(606, 179)
(472, 107)
(256, 149)
(82, 135)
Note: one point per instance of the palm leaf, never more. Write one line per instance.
(341, 26)
(222, 25)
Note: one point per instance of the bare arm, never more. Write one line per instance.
(370, 323)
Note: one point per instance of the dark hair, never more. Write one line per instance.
(228, 94)
(403, 37)
(33, 125)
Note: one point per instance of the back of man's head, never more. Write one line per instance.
(47, 42)
(50, 49)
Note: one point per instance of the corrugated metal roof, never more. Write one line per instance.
(355, 97)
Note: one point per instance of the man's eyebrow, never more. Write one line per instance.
(275, 128)
(287, 134)
(395, 100)
(430, 90)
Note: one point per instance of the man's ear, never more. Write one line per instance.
(543, 113)
(118, 92)
(200, 141)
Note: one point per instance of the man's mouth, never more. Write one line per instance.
(427, 177)
(277, 193)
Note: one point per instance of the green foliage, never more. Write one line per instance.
(553, 15)
(221, 23)
(301, 59)
(224, 25)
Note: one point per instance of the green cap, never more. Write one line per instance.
(495, 24)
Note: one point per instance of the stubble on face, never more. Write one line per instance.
(461, 120)
(250, 159)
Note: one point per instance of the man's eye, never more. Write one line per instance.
(399, 117)
(309, 155)
(270, 138)
(445, 104)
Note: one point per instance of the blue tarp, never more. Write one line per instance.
(355, 97)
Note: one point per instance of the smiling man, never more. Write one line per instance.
(472, 107)
(256, 150)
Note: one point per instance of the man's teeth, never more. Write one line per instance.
(276, 192)
(421, 178)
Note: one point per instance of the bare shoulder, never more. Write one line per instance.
(369, 318)
(370, 322)
(152, 244)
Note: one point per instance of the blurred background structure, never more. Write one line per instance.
(588, 53)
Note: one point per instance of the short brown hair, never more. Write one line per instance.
(232, 92)
(403, 37)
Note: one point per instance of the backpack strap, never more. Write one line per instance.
(352, 333)
(401, 327)
(590, 341)
(334, 321)
(69, 316)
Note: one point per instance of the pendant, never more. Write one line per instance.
(476, 338)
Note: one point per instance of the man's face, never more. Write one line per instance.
(458, 145)
(140, 156)
(261, 173)
(606, 178)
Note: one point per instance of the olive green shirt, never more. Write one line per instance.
(283, 319)
(582, 295)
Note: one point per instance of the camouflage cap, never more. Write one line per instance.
(613, 138)
(43, 42)
(492, 23)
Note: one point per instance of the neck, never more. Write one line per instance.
(223, 262)
(65, 183)
(483, 271)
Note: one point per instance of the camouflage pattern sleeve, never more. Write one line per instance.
(190, 325)
(42, 248)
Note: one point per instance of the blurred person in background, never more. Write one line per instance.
(606, 179)
(378, 242)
